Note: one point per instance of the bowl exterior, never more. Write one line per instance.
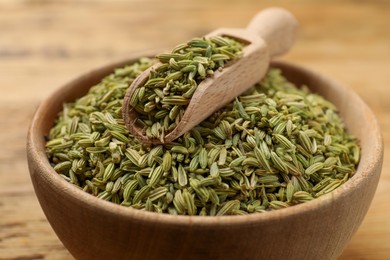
(94, 229)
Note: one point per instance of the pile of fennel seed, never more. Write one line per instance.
(275, 146)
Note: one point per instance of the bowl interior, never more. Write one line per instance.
(352, 109)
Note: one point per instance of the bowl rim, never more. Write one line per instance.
(37, 155)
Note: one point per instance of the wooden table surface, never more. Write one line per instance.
(45, 43)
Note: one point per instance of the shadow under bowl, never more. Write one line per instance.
(91, 228)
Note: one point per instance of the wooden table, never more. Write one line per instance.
(44, 44)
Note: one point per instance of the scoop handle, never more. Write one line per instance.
(277, 27)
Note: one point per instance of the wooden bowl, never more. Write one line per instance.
(91, 228)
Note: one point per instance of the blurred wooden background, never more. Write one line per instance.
(45, 43)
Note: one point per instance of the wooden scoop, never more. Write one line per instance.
(270, 33)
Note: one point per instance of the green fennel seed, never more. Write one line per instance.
(275, 146)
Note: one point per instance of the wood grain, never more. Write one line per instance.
(44, 44)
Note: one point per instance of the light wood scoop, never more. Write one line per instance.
(270, 33)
